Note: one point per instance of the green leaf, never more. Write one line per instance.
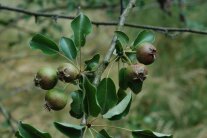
(121, 94)
(103, 134)
(119, 48)
(123, 83)
(144, 36)
(90, 99)
(28, 131)
(43, 43)
(132, 56)
(92, 64)
(72, 131)
(106, 94)
(77, 104)
(120, 110)
(68, 47)
(136, 86)
(81, 27)
(17, 135)
(122, 37)
(149, 134)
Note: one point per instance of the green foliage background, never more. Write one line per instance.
(173, 99)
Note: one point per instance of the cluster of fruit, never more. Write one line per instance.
(47, 78)
(133, 75)
(56, 99)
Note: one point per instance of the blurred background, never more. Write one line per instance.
(174, 97)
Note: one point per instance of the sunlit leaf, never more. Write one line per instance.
(81, 26)
(43, 43)
(144, 36)
(68, 47)
(149, 134)
(120, 110)
(122, 37)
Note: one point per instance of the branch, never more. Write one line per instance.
(166, 29)
(121, 6)
(59, 7)
(110, 23)
(8, 117)
(109, 53)
(36, 14)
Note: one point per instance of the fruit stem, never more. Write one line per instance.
(93, 120)
(129, 61)
(91, 133)
(84, 133)
(111, 127)
(65, 87)
(94, 130)
(114, 60)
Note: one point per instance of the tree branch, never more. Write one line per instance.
(121, 6)
(59, 7)
(110, 23)
(109, 53)
(7, 116)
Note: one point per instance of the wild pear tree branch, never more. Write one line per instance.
(121, 6)
(109, 23)
(13, 22)
(7, 116)
(111, 49)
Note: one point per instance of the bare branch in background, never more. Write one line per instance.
(110, 23)
(7, 117)
(121, 6)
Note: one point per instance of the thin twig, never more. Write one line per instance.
(91, 133)
(84, 133)
(112, 64)
(94, 130)
(13, 22)
(109, 23)
(121, 6)
(7, 116)
(111, 127)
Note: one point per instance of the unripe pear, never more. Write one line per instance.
(146, 53)
(46, 78)
(135, 75)
(67, 72)
(136, 72)
(56, 99)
